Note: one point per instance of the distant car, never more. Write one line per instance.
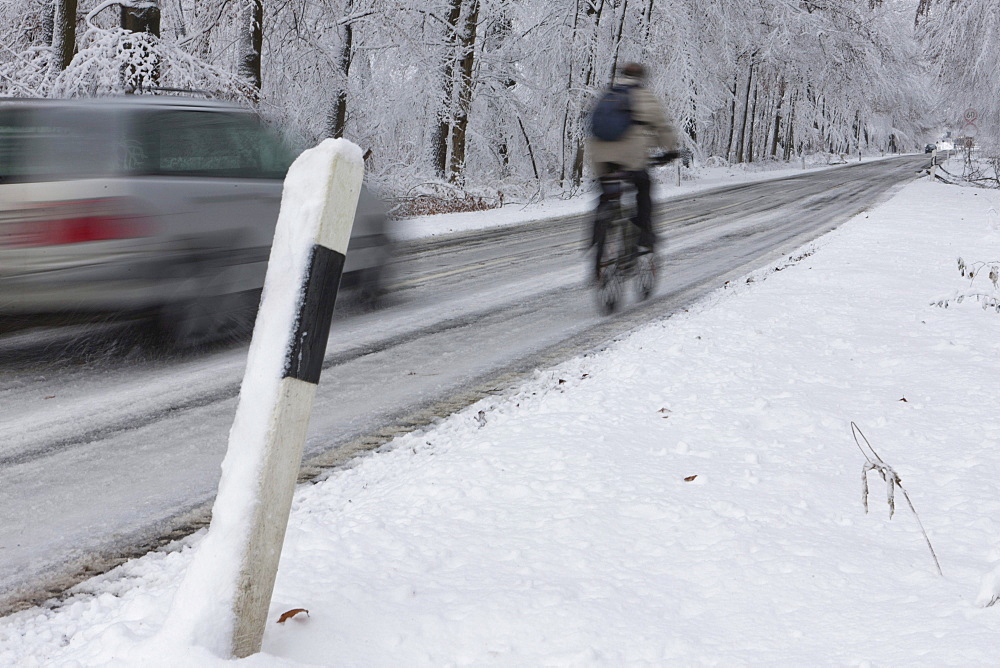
(158, 206)
(930, 148)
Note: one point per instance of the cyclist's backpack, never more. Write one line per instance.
(612, 115)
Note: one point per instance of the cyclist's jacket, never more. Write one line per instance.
(650, 130)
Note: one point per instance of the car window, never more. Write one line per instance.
(38, 143)
(208, 143)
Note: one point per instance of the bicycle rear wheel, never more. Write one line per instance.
(611, 281)
(645, 274)
(610, 289)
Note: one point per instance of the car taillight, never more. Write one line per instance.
(75, 222)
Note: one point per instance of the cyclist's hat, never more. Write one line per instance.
(634, 70)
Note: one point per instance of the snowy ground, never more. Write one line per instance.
(689, 496)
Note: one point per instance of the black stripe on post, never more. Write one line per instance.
(305, 355)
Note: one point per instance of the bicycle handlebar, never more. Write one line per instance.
(666, 157)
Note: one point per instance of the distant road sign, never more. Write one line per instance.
(971, 115)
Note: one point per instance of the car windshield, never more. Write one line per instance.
(207, 143)
(53, 143)
(41, 143)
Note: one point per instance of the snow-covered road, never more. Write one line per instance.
(101, 459)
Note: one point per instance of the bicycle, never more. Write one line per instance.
(622, 259)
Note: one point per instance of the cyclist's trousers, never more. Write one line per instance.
(611, 190)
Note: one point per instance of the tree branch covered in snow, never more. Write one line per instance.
(988, 300)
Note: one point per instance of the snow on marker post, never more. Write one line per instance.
(223, 600)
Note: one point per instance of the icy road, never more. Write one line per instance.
(104, 454)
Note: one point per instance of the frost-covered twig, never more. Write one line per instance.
(892, 479)
(972, 272)
(989, 589)
(974, 173)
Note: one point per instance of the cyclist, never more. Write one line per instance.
(629, 156)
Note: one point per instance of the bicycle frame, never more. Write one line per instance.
(621, 236)
(619, 258)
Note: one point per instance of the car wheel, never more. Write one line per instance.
(200, 321)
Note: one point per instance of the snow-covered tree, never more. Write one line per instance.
(960, 41)
(496, 92)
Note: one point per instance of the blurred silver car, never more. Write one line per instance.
(162, 207)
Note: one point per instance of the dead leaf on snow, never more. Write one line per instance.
(285, 616)
(690, 478)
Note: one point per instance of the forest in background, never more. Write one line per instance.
(492, 96)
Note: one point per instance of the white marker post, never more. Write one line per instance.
(223, 601)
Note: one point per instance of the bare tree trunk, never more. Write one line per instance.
(499, 107)
(648, 19)
(746, 111)
(442, 133)
(579, 160)
(764, 118)
(564, 135)
(49, 10)
(923, 9)
(460, 130)
(691, 124)
(618, 37)
(140, 17)
(777, 120)
(181, 30)
(790, 127)
(590, 79)
(732, 119)
(62, 31)
(753, 122)
(565, 138)
(857, 129)
(251, 44)
(338, 116)
(593, 12)
(531, 152)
